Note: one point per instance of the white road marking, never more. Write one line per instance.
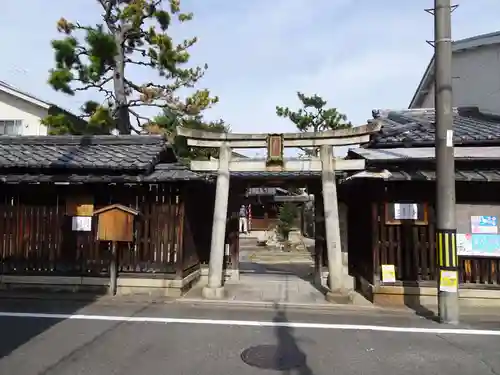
(251, 323)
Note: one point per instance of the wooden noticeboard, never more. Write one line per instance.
(115, 223)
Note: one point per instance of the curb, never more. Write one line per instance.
(294, 305)
(53, 296)
(185, 301)
(102, 299)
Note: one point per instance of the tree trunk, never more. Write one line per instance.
(122, 116)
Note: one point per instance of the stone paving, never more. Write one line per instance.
(275, 288)
(271, 276)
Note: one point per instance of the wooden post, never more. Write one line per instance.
(113, 269)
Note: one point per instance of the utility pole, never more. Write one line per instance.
(446, 229)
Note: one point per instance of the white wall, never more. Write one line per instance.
(476, 79)
(12, 108)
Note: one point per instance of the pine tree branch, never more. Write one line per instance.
(79, 26)
(134, 30)
(142, 51)
(107, 5)
(138, 118)
(140, 103)
(99, 86)
(94, 85)
(165, 94)
(142, 63)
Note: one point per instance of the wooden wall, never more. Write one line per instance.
(36, 235)
(375, 240)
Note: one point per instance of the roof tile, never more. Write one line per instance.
(125, 153)
(164, 172)
(408, 128)
(460, 175)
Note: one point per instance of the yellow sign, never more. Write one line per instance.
(388, 273)
(80, 206)
(448, 281)
(84, 210)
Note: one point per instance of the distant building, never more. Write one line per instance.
(21, 113)
(476, 75)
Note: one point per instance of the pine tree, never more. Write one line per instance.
(314, 116)
(167, 122)
(132, 33)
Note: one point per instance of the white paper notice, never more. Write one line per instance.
(405, 211)
(449, 138)
(81, 223)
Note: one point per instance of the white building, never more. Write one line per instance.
(476, 75)
(22, 113)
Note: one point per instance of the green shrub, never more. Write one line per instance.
(286, 219)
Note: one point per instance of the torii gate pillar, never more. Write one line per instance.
(214, 288)
(332, 225)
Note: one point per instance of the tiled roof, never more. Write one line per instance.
(174, 172)
(162, 173)
(85, 159)
(460, 175)
(488, 153)
(410, 128)
(97, 153)
(465, 175)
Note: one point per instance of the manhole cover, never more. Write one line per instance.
(273, 357)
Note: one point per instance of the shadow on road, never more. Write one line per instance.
(288, 352)
(17, 331)
(285, 356)
(412, 301)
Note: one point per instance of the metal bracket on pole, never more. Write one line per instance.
(432, 10)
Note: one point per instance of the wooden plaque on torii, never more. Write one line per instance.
(275, 150)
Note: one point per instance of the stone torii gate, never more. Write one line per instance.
(326, 163)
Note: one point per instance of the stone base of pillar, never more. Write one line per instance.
(213, 293)
(338, 296)
(235, 275)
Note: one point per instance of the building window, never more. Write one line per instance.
(10, 127)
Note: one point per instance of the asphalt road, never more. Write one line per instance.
(201, 344)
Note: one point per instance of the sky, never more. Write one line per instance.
(357, 54)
